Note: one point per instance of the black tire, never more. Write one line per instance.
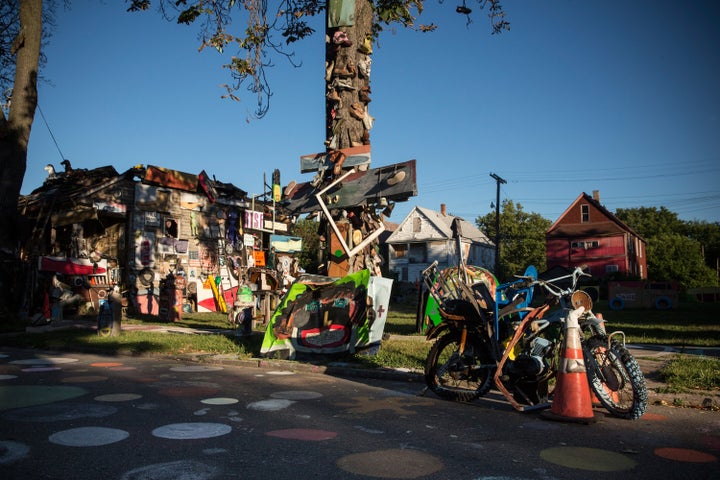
(456, 378)
(615, 378)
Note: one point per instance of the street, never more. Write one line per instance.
(79, 416)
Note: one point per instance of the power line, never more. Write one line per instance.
(62, 157)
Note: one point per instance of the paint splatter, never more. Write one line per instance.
(88, 436)
(392, 463)
(192, 431)
(180, 470)
(592, 459)
(11, 452)
(270, 405)
(118, 397)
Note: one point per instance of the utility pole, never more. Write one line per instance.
(498, 180)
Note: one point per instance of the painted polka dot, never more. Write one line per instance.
(44, 361)
(122, 368)
(307, 434)
(106, 364)
(40, 369)
(11, 452)
(118, 397)
(591, 459)
(88, 436)
(270, 405)
(181, 469)
(297, 395)
(192, 431)
(2, 355)
(84, 379)
(7, 377)
(196, 368)
(280, 372)
(685, 455)
(18, 396)
(393, 463)
(219, 401)
(655, 417)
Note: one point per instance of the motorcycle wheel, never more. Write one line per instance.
(456, 377)
(615, 378)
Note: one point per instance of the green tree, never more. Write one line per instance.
(522, 238)
(708, 235)
(676, 250)
(309, 259)
(650, 221)
(676, 257)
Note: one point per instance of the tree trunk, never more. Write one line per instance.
(347, 61)
(14, 137)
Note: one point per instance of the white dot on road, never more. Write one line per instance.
(191, 431)
(88, 436)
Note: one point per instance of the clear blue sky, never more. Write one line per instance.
(617, 96)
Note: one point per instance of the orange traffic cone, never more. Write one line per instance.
(572, 402)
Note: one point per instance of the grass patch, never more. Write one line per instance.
(136, 343)
(684, 373)
(690, 325)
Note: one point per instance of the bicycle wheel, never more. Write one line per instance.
(456, 377)
(615, 378)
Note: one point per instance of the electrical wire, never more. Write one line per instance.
(62, 157)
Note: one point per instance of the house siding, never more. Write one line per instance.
(587, 234)
(421, 227)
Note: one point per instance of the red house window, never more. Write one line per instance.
(584, 213)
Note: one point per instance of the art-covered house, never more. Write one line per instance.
(427, 235)
(170, 240)
(588, 234)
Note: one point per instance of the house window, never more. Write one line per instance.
(584, 213)
(611, 269)
(417, 225)
(400, 250)
(585, 245)
(417, 253)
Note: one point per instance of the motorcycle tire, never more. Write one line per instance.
(454, 377)
(615, 378)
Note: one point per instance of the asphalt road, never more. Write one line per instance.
(78, 416)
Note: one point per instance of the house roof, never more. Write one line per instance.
(444, 224)
(611, 226)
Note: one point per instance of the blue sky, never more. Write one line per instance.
(616, 96)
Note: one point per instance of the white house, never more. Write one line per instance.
(426, 235)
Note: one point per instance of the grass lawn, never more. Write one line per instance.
(690, 325)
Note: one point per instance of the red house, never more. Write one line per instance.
(588, 234)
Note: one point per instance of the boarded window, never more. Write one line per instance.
(417, 224)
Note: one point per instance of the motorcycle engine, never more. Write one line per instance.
(532, 364)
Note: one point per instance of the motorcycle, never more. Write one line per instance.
(489, 335)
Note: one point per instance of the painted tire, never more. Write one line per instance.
(617, 303)
(663, 303)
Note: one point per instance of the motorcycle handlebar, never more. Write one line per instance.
(550, 286)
